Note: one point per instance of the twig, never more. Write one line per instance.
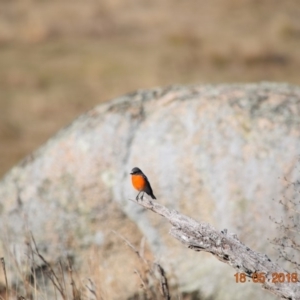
(131, 246)
(142, 280)
(163, 282)
(91, 289)
(142, 247)
(63, 275)
(4, 270)
(75, 291)
(145, 282)
(54, 280)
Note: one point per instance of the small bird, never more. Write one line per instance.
(140, 182)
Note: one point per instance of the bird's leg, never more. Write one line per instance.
(137, 197)
(142, 196)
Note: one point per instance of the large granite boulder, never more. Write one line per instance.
(216, 153)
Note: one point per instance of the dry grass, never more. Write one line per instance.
(59, 58)
(40, 279)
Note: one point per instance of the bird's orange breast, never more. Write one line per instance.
(138, 182)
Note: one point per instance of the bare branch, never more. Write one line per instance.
(226, 247)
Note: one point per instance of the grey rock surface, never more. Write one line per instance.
(217, 153)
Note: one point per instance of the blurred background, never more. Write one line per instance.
(59, 58)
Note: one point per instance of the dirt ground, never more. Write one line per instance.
(59, 58)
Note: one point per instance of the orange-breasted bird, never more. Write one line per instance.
(141, 183)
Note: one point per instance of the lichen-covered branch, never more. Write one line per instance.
(226, 247)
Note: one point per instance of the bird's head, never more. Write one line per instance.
(135, 171)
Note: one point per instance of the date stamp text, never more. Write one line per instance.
(261, 277)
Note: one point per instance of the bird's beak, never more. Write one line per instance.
(131, 173)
